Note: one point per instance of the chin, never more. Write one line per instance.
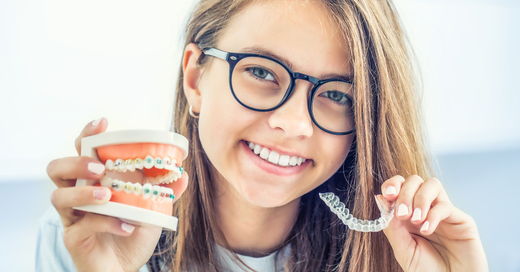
(267, 197)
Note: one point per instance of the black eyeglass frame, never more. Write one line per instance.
(234, 58)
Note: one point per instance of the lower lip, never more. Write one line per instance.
(271, 168)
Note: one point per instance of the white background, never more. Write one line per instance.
(65, 63)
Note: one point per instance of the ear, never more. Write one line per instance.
(191, 75)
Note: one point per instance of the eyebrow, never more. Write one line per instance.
(265, 52)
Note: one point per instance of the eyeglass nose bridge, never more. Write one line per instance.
(305, 77)
(296, 76)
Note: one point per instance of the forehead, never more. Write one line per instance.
(301, 33)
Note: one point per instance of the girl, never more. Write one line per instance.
(282, 100)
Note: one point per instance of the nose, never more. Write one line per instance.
(293, 116)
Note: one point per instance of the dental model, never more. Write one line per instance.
(143, 168)
(338, 208)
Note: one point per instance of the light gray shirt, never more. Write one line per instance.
(52, 255)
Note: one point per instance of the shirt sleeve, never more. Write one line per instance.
(51, 253)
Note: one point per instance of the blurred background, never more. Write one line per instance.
(66, 63)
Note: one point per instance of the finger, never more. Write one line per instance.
(404, 202)
(425, 198)
(83, 233)
(63, 199)
(64, 172)
(92, 128)
(400, 240)
(437, 213)
(179, 186)
(392, 187)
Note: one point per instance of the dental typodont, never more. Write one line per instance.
(338, 208)
(143, 170)
(152, 167)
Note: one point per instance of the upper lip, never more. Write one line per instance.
(278, 150)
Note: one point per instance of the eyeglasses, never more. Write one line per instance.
(262, 83)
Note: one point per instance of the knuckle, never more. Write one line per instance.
(434, 181)
(416, 178)
(51, 168)
(54, 197)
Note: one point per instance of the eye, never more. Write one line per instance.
(336, 96)
(261, 73)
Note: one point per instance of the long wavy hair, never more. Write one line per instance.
(389, 141)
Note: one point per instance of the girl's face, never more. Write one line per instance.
(302, 35)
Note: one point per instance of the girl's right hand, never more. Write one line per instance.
(96, 242)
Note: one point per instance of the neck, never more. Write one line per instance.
(252, 230)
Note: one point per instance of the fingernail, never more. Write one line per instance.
(403, 210)
(127, 227)
(416, 214)
(100, 193)
(96, 122)
(96, 168)
(390, 190)
(425, 226)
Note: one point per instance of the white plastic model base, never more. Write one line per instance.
(128, 213)
(338, 208)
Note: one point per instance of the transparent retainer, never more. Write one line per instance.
(338, 208)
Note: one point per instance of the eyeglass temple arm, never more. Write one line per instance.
(216, 53)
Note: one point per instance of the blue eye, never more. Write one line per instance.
(336, 96)
(261, 73)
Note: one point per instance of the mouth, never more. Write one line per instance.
(145, 183)
(274, 157)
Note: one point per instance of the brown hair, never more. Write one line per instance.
(388, 142)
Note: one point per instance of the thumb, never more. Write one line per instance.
(401, 241)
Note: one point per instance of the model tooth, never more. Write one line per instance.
(251, 146)
(168, 165)
(293, 161)
(264, 154)
(147, 190)
(138, 163)
(158, 163)
(162, 193)
(109, 165)
(130, 165)
(128, 187)
(303, 160)
(137, 188)
(299, 161)
(119, 165)
(106, 182)
(117, 185)
(257, 149)
(284, 160)
(148, 162)
(170, 194)
(274, 157)
(156, 190)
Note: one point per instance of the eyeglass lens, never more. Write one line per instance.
(262, 83)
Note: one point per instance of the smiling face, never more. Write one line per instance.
(303, 36)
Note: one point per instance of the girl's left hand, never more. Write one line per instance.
(427, 232)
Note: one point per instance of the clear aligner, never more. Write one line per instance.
(147, 190)
(338, 208)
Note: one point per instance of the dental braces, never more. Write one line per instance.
(338, 208)
(147, 190)
(121, 165)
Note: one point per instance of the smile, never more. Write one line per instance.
(275, 158)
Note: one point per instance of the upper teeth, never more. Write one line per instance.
(274, 157)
